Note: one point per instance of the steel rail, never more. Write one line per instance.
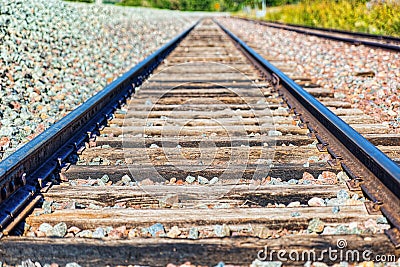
(300, 29)
(360, 34)
(369, 155)
(35, 164)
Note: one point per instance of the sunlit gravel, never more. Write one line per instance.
(54, 55)
(367, 77)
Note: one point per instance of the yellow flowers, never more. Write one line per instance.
(353, 15)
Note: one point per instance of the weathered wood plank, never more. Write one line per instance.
(371, 128)
(151, 89)
(347, 111)
(391, 151)
(383, 139)
(216, 100)
(320, 92)
(336, 104)
(241, 194)
(273, 218)
(232, 130)
(210, 75)
(183, 104)
(247, 171)
(362, 119)
(205, 122)
(202, 83)
(193, 141)
(279, 154)
(203, 114)
(161, 251)
(200, 58)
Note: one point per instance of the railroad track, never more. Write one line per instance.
(357, 38)
(379, 134)
(218, 156)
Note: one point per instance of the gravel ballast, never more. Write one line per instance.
(368, 78)
(54, 55)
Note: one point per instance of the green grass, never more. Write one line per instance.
(184, 5)
(353, 15)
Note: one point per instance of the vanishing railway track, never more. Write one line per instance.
(218, 156)
(357, 38)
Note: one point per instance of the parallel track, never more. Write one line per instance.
(212, 108)
(377, 41)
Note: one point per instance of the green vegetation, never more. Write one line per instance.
(188, 5)
(352, 15)
(258, 3)
(84, 1)
(195, 5)
(203, 5)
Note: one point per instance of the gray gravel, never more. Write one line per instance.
(368, 78)
(54, 55)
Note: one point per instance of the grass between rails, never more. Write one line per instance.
(353, 15)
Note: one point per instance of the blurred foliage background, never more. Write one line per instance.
(195, 5)
(373, 16)
(376, 17)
